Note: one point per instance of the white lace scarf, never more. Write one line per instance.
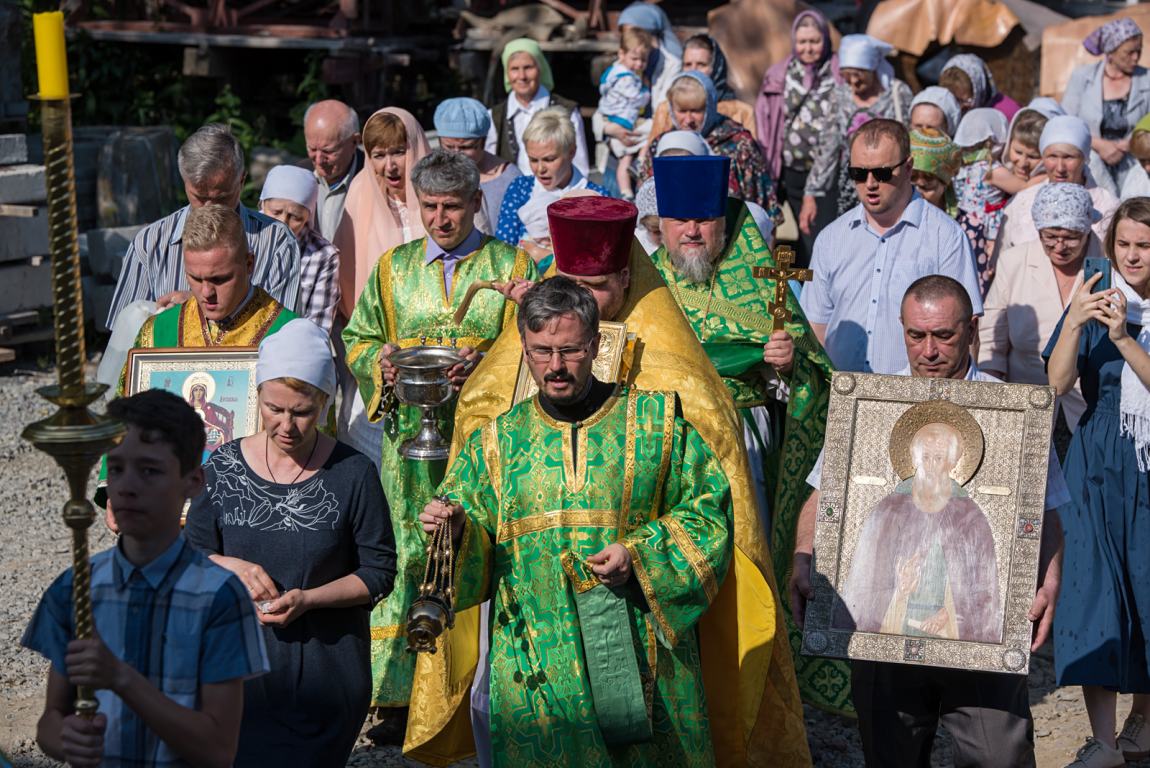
(1135, 405)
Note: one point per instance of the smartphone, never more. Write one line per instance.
(1094, 265)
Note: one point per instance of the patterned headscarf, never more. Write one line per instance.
(811, 71)
(646, 200)
(1110, 35)
(1064, 206)
(933, 153)
(981, 81)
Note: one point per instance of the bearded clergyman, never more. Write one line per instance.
(929, 568)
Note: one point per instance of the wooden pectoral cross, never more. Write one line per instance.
(781, 273)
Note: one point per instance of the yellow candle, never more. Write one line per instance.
(51, 57)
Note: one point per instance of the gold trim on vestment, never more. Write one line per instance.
(384, 275)
(558, 518)
(628, 463)
(728, 309)
(388, 633)
(649, 593)
(695, 558)
(665, 460)
(489, 442)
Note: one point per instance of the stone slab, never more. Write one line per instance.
(22, 237)
(97, 301)
(22, 184)
(106, 247)
(13, 149)
(27, 285)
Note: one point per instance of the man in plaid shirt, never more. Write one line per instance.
(176, 635)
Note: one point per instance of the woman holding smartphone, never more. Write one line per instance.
(1102, 636)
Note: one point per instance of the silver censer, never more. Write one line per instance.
(421, 380)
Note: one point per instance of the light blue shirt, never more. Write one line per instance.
(450, 258)
(861, 276)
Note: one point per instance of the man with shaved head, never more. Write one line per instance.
(331, 130)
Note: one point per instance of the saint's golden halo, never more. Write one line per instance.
(204, 379)
(930, 412)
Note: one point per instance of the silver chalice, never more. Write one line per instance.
(421, 380)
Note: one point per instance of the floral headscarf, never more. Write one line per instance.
(981, 81)
(933, 153)
(1064, 206)
(1110, 35)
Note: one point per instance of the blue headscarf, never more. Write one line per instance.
(653, 19)
(713, 117)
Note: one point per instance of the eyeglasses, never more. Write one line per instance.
(882, 175)
(1068, 240)
(566, 354)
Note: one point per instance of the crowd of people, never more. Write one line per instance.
(677, 462)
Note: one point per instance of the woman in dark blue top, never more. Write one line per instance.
(1102, 633)
(302, 520)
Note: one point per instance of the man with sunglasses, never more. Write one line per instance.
(867, 258)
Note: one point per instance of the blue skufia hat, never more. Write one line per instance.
(692, 187)
(462, 118)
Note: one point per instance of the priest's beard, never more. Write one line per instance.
(694, 263)
(931, 492)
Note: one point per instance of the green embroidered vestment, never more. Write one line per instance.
(405, 303)
(536, 490)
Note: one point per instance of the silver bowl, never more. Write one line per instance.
(421, 380)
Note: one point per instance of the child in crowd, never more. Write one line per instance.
(981, 136)
(624, 99)
(175, 635)
(1022, 161)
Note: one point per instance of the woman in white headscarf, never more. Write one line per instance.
(936, 108)
(1102, 636)
(289, 196)
(302, 521)
(1065, 148)
(869, 90)
(1111, 95)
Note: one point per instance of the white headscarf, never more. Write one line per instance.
(866, 52)
(690, 142)
(981, 124)
(1066, 129)
(290, 182)
(937, 96)
(299, 350)
(1135, 404)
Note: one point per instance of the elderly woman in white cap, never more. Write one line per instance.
(462, 125)
(302, 521)
(289, 195)
(1065, 148)
(1111, 95)
(1032, 288)
(869, 90)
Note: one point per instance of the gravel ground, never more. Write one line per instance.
(34, 550)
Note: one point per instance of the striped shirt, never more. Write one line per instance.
(319, 279)
(861, 276)
(154, 262)
(181, 621)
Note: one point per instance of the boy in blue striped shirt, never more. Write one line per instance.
(176, 635)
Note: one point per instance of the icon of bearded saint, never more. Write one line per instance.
(924, 565)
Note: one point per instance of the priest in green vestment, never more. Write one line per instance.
(410, 298)
(224, 310)
(748, 673)
(600, 524)
(779, 380)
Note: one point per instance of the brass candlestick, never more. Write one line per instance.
(74, 436)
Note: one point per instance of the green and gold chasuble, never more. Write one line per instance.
(405, 303)
(537, 492)
(731, 317)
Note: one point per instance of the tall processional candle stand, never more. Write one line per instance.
(74, 436)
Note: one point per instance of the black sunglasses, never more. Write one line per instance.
(881, 175)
